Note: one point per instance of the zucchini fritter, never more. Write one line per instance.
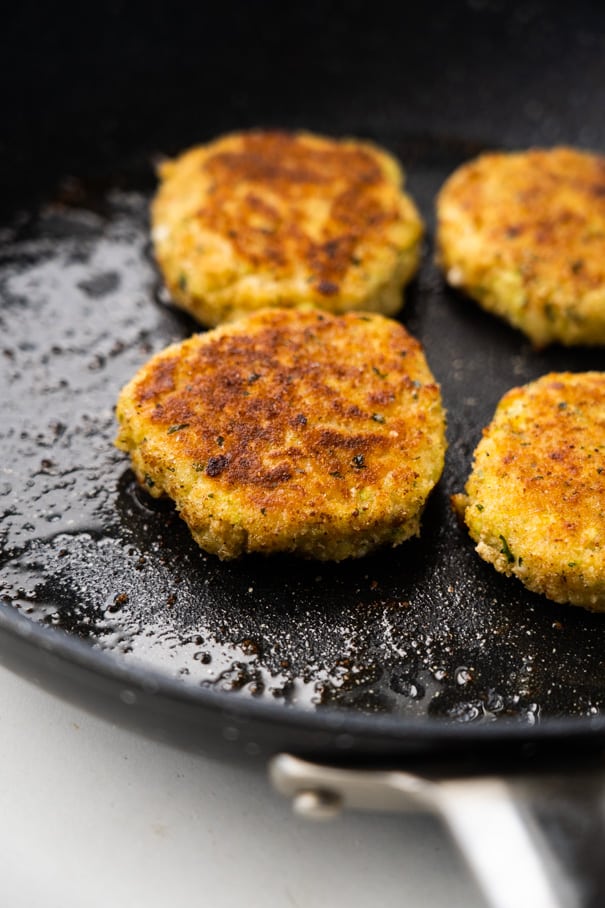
(272, 218)
(524, 235)
(535, 501)
(290, 430)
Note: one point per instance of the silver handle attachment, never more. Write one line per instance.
(488, 819)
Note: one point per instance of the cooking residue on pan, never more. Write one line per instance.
(422, 630)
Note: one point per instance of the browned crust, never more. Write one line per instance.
(535, 502)
(314, 424)
(295, 171)
(275, 218)
(550, 213)
(554, 453)
(537, 218)
(238, 398)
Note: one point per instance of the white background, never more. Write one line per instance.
(95, 816)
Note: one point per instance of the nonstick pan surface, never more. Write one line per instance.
(420, 643)
(425, 631)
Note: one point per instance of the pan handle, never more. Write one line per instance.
(488, 818)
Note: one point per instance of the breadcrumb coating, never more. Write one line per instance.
(258, 219)
(290, 430)
(524, 234)
(535, 500)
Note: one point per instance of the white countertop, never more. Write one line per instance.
(92, 815)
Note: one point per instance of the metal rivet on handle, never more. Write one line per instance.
(317, 804)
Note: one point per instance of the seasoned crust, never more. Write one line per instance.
(524, 234)
(535, 501)
(290, 430)
(275, 218)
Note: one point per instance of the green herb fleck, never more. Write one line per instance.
(358, 461)
(479, 507)
(220, 441)
(149, 482)
(572, 564)
(254, 376)
(562, 405)
(377, 417)
(198, 466)
(177, 428)
(505, 550)
(182, 281)
(377, 372)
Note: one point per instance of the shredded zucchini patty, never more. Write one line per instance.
(535, 500)
(290, 430)
(259, 219)
(524, 234)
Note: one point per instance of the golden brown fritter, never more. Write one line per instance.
(273, 218)
(524, 234)
(535, 501)
(290, 430)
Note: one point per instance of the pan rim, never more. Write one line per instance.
(429, 731)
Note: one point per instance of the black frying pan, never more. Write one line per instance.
(422, 653)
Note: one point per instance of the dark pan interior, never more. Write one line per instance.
(423, 631)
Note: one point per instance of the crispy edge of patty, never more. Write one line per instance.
(301, 431)
(535, 500)
(258, 218)
(523, 233)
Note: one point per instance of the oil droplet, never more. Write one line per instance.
(203, 657)
(463, 675)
